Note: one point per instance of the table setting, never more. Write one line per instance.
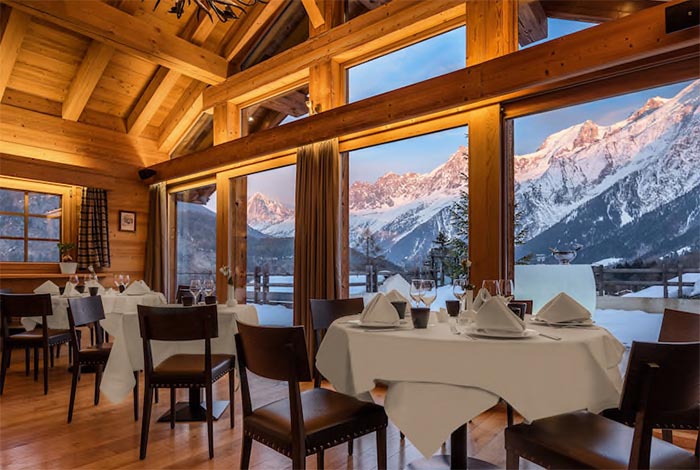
(441, 376)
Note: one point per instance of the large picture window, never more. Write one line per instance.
(30, 225)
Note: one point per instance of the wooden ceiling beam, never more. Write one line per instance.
(532, 22)
(91, 68)
(384, 25)
(181, 117)
(16, 28)
(130, 34)
(597, 11)
(249, 27)
(551, 65)
(314, 12)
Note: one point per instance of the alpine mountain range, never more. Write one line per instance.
(627, 190)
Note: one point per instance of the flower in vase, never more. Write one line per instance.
(226, 271)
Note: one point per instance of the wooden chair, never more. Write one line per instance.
(88, 311)
(304, 423)
(662, 380)
(28, 305)
(182, 370)
(676, 327)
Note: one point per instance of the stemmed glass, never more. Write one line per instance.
(492, 286)
(507, 288)
(459, 289)
(196, 289)
(119, 282)
(429, 292)
(416, 291)
(127, 280)
(208, 287)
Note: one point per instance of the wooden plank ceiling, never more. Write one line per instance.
(144, 78)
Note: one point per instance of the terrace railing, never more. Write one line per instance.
(620, 281)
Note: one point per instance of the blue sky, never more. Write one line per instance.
(427, 59)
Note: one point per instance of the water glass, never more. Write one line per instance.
(416, 290)
(195, 289)
(429, 293)
(506, 286)
(208, 287)
(492, 286)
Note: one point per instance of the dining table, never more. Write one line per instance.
(437, 381)
(126, 356)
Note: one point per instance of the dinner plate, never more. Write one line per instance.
(566, 324)
(527, 333)
(377, 326)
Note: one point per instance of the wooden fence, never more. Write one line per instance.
(619, 281)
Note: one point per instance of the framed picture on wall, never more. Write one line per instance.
(127, 221)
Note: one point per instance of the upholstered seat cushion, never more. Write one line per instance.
(330, 418)
(189, 369)
(587, 440)
(36, 335)
(689, 419)
(97, 354)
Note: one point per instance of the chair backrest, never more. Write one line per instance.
(277, 353)
(325, 312)
(23, 305)
(178, 323)
(679, 327)
(85, 310)
(181, 290)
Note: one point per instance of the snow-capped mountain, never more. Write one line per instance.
(588, 184)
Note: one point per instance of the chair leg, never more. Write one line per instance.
(9, 355)
(145, 421)
(36, 364)
(98, 381)
(58, 350)
(350, 446)
(298, 460)
(381, 449)
(231, 396)
(156, 395)
(245, 452)
(172, 408)
(73, 388)
(136, 395)
(509, 415)
(402, 436)
(210, 419)
(51, 355)
(667, 435)
(512, 460)
(46, 370)
(3, 366)
(319, 460)
(26, 362)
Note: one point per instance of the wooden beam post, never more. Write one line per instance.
(492, 31)
(16, 28)
(532, 21)
(89, 73)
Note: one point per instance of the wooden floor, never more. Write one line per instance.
(34, 433)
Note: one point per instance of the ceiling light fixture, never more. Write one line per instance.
(223, 9)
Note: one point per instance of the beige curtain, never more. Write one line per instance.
(156, 255)
(316, 236)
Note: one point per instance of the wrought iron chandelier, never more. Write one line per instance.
(223, 9)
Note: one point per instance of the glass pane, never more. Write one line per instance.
(11, 200)
(196, 234)
(42, 251)
(11, 226)
(11, 250)
(45, 204)
(408, 212)
(42, 227)
(271, 244)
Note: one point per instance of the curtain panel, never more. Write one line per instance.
(93, 230)
(316, 236)
(155, 262)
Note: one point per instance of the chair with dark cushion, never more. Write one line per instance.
(182, 370)
(663, 379)
(88, 311)
(676, 327)
(304, 423)
(28, 305)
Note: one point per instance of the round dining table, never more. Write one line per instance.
(437, 380)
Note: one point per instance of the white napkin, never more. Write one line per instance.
(563, 308)
(481, 297)
(109, 292)
(48, 287)
(396, 283)
(137, 288)
(380, 310)
(395, 296)
(70, 291)
(494, 314)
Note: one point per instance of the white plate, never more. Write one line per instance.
(377, 326)
(527, 333)
(571, 324)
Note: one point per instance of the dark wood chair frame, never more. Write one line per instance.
(88, 311)
(179, 324)
(662, 379)
(28, 305)
(278, 342)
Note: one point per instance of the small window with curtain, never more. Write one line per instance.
(30, 225)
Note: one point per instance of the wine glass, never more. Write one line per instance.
(429, 292)
(208, 287)
(127, 280)
(74, 279)
(459, 288)
(416, 290)
(506, 286)
(195, 289)
(119, 281)
(492, 286)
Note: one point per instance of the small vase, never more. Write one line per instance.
(231, 297)
(468, 299)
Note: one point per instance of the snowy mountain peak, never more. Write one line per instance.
(264, 212)
(650, 105)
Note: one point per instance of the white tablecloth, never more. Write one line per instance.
(127, 350)
(119, 303)
(439, 381)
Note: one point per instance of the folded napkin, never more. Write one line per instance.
(380, 310)
(396, 296)
(70, 291)
(481, 297)
(494, 314)
(563, 308)
(397, 283)
(47, 287)
(137, 288)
